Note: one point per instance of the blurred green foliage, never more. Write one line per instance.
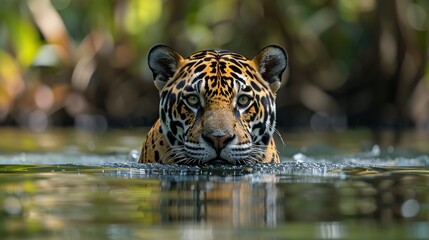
(83, 63)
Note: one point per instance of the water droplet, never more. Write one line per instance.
(299, 157)
(375, 151)
(134, 155)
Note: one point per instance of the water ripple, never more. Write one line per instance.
(299, 164)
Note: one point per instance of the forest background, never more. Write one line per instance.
(352, 64)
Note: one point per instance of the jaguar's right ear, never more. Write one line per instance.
(163, 61)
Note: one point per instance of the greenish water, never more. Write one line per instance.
(64, 184)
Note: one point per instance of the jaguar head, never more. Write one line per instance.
(216, 105)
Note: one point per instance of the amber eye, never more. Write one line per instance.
(243, 101)
(193, 100)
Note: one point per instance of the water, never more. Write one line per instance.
(71, 185)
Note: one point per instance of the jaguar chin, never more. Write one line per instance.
(216, 106)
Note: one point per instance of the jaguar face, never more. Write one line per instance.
(216, 105)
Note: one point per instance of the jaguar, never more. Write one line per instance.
(216, 106)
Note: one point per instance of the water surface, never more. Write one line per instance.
(64, 184)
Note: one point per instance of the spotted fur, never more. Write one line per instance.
(215, 106)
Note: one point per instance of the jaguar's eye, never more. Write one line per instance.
(243, 101)
(193, 100)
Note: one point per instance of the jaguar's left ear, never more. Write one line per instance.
(271, 63)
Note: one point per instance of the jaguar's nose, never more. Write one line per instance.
(218, 140)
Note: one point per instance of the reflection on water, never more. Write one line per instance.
(234, 204)
(69, 202)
